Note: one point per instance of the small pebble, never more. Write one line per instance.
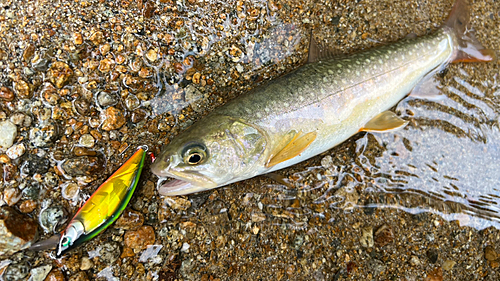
(490, 254)
(113, 119)
(178, 203)
(70, 190)
(185, 247)
(366, 239)
(448, 265)
(6, 94)
(55, 275)
(11, 195)
(60, 73)
(139, 239)
(77, 38)
(16, 151)
(9, 133)
(86, 264)
(435, 275)
(130, 220)
(40, 273)
(86, 140)
(27, 206)
(22, 89)
(151, 55)
(383, 236)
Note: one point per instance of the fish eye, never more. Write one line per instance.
(194, 154)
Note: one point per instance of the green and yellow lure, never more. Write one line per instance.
(101, 209)
(105, 205)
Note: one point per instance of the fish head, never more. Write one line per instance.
(213, 152)
(70, 236)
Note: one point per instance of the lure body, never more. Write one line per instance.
(105, 205)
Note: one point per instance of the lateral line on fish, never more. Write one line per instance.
(344, 89)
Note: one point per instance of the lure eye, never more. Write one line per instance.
(65, 242)
(194, 154)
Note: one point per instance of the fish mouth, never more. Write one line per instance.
(177, 186)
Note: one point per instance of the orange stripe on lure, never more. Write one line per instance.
(103, 208)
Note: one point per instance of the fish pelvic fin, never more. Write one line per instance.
(468, 48)
(294, 145)
(384, 122)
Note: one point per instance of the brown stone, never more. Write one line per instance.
(22, 89)
(27, 206)
(16, 230)
(139, 239)
(435, 275)
(80, 276)
(6, 94)
(130, 220)
(106, 65)
(49, 93)
(127, 252)
(383, 236)
(113, 119)
(490, 254)
(55, 275)
(83, 151)
(77, 38)
(28, 53)
(60, 73)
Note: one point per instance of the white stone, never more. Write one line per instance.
(8, 132)
(16, 151)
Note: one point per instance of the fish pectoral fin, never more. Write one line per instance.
(294, 147)
(384, 122)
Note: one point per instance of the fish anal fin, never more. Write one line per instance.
(384, 122)
(429, 88)
(292, 149)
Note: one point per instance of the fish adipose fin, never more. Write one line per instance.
(384, 122)
(294, 144)
(468, 49)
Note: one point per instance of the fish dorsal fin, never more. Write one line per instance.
(317, 53)
(384, 122)
(292, 145)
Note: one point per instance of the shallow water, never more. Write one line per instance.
(445, 161)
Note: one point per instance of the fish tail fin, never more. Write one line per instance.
(468, 48)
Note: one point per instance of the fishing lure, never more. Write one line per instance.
(101, 209)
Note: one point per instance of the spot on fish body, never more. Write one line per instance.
(330, 71)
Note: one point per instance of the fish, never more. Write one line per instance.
(312, 109)
(102, 208)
